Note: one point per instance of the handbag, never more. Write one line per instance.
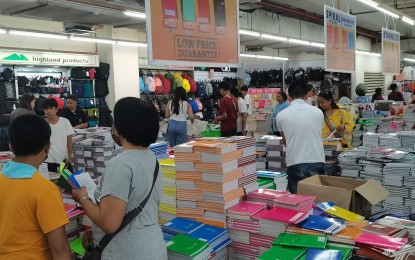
(96, 252)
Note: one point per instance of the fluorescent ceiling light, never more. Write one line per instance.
(2, 31)
(251, 33)
(369, 53)
(264, 57)
(135, 14)
(299, 41)
(133, 44)
(383, 10)
(408, 20)
(408, 59)
(370, 3)
(84, 39)
(248, 55)
(273, 37)
(318, 44)
(280, 58)
(375, 54)
(40, 35)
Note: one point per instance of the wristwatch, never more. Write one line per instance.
(85, 198)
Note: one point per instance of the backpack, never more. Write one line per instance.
(159, 86)
(105, 118)
(308, 73)
(165, 82)
(216, 92)
(141, 83)
(7, 74)
(186, 85)
(263, 78)
(289, 76)
(255, 78)
(247, 80)
(78, 73)
(103, 72)
(175, 83)
(87, 90)
(149, 84)
(77, 88)
(193, 86)
(209, 89)
(318, 74)
(201, 92)
(299, 74)
(101, 87)
(193, 104)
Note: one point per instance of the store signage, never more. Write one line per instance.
(264, 97)
(193, 32)
(340, 39)
(391, 42)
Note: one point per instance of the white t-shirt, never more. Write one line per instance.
(302, 126)
(248, 102)
(241, 109)
(182, 116)
(59, 142)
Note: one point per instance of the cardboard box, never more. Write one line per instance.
(355, 195)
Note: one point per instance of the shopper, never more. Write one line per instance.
(377, 95)
(310, 94)
(344, 94)
(177, 111)
(126, 182)
(242, 112)
(228, 109)
(395, 95)
(26, 106)
(335, 120)
(32, 215)
(61, 139)
(75, 115)
(247, 98)
(300, 126)
(281, 105)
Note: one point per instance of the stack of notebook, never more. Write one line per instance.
(279, 179)
(266, 196)
(276, 155)
(349, 162)
(409, 118)
(185, 247)
(168, 206)
(371, 139)
(159, 150)
(93, 152)
(407, 138)
(390, 141)
(295, 201)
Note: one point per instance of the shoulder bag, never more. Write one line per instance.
(96, 252)
(327, 121)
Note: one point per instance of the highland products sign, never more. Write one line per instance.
(48, 59)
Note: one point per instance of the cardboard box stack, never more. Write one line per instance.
(167, 209)
(93, 150)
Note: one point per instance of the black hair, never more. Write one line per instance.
(73, 97)
(244, 88)
(225, 86)
(393, 87)
(328, 95)
(378, 91)
(283, 95)
(235, 92)
(137, 121)
(26, 100)
(344, 90)
(179, 95)
(298, 89)
(361, 89)
(28, 135)
(49, 103)
(309, 87)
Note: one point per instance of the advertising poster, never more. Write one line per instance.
(264, 97)
(340, 36)
(391, 42)
(193, 32)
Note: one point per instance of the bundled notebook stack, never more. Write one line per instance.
(188, 239)
(278, 178)
(390, 141)
(409, 119)
(93, 152)
(276, 155)
(159, 150)
(349, 162)
(407, 138)
(357, 135)
(167, 209)
(371, 139)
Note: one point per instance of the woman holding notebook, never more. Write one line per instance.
(127, 198)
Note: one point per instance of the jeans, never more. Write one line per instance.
(177, 132)
(301, 171)
(228, 133)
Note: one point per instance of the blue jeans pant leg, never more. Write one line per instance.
(301, 171)
(316, 168)
(177, 132)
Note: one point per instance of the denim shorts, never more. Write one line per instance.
(301, 171)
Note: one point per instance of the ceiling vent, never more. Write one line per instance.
(78, 30)
(254, 48)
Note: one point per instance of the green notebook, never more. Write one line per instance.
(76, 246)
(300, 240)
(185, 245)
(346, 251)
(282, 253)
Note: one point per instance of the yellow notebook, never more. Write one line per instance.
(332, 209)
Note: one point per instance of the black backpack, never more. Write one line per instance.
(309, 73)
(105, 117)
(103, 72)
(299, 74)
(78, 73)
(101, 87)
(255, 79)
(289, 76)
(22, 81)
(7, 74)
(318, 74)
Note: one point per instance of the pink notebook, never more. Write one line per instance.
(295, 199)
(267, 194)
(247, 208)
(282, 215)
(387, 242)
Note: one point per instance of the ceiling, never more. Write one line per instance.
(110, 12)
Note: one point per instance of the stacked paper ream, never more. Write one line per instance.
(93, 150)
(276, 155)
(167, 209)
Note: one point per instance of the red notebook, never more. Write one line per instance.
(295, 199)
(282, 215)
(247, 208)
(394, 243)
(267, 194)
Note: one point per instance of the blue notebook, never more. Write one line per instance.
(323, 224)
(182, 226)
(225, 243)
(319, 254)
(210, 234)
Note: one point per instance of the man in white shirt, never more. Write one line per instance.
(247, 98)
(61, 138)
(301, 126)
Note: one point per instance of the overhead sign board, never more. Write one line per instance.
(391, 43)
